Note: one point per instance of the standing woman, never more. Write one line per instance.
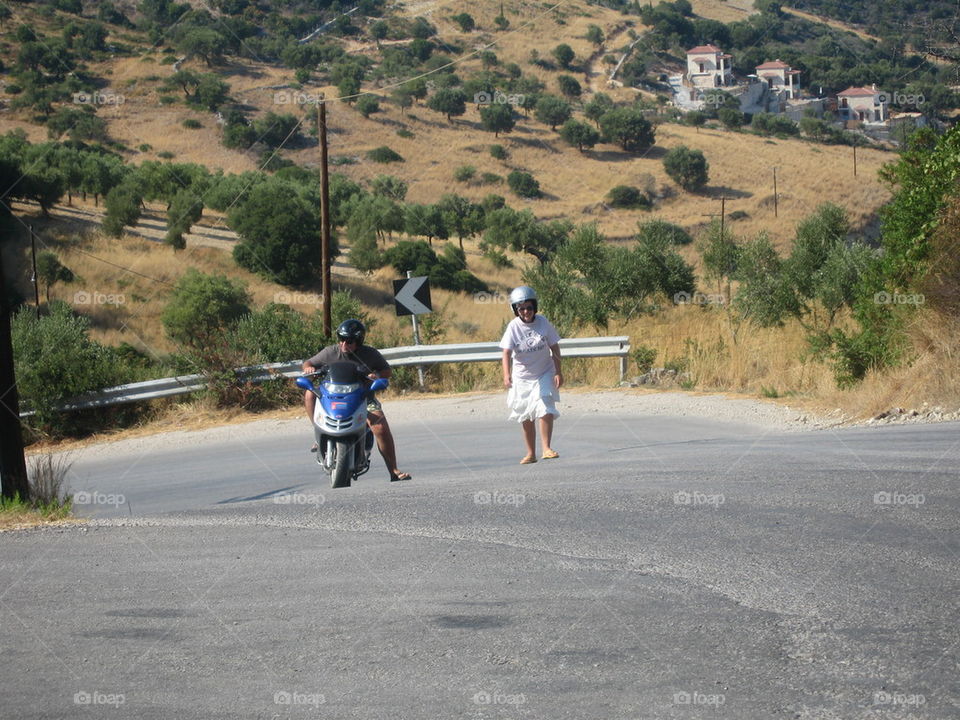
(531, 372)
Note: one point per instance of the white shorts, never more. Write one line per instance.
(531, 399)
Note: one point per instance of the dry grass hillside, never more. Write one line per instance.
(141, 271)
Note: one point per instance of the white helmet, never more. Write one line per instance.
(522, 294)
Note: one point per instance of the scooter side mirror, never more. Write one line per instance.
(379, 384)
(304, 383)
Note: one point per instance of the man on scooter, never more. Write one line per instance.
(369, 361)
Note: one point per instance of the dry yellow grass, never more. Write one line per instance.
(741, 169)
(725, 11)
(10, 521)
(931, 377)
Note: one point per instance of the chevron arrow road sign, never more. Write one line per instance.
(412, 296)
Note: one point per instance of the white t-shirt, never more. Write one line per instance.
(530, 344)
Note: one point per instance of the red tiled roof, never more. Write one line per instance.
(774, 65)
(704, 49)
(859, 91)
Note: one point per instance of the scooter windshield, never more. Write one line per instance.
(343, 373)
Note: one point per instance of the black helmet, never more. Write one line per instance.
(352, 330)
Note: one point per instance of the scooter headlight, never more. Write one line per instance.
(339, 389)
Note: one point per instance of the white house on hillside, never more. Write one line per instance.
(779, 76)
(862, 104)
(708, 66)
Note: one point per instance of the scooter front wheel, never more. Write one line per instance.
(340, 477)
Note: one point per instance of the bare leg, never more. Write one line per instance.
(309, 403)
(385, 444)
(546, 432)
(530, 437)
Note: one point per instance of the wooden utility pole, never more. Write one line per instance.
(13, 467)
(775, 192)
(324, 216)
(723, 213)
(33, 278)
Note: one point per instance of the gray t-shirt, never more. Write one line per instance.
(368, 359)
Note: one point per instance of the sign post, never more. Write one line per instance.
(412, 297)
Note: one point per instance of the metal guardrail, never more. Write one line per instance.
(397, 357)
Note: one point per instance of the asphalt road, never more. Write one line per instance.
(661, 568)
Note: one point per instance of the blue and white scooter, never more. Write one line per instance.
(343, 438)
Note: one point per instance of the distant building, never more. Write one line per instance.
(780, 77)
(862, 104)
(708, 66)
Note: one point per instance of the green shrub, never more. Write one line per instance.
(367, 105)
(498, 151)
(523, 184)
(42, 384)
(278, 333)
(383, 154)
(464, 173)
(661, 229)
(447, 271)
(192, 124)
(489, 178)
(644, 357)
(688, 168)
(498, 258)
(201, 306)
(279, 232)
(626, 196)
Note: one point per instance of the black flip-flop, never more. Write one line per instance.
(400, 476)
